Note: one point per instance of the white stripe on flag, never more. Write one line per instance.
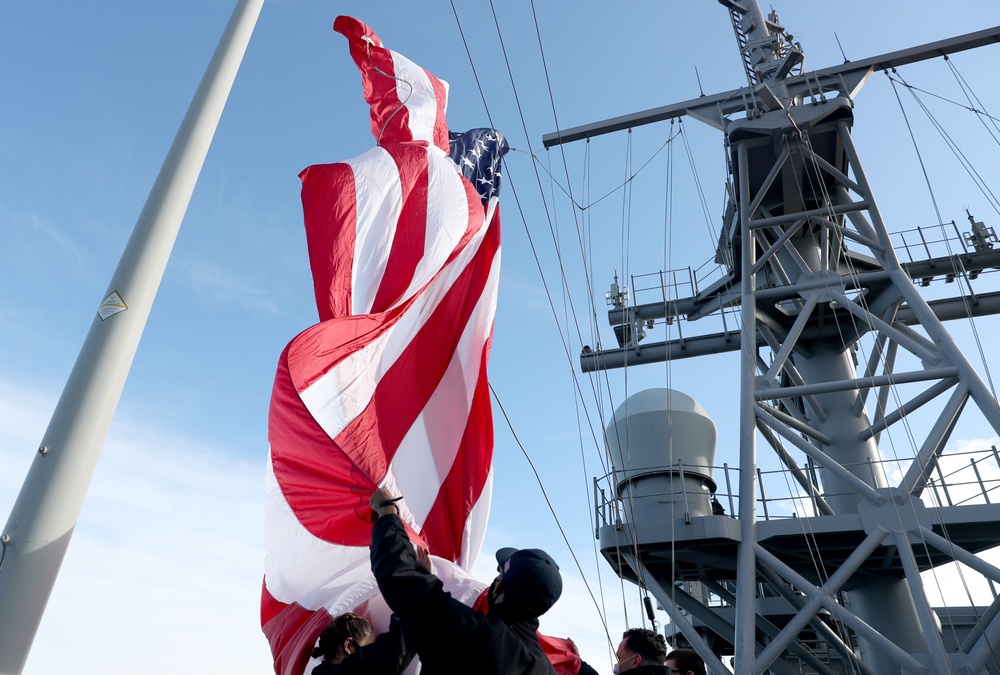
(474, 533)
(379, 202)
(412, 84)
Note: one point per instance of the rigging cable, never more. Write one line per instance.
(563, 339)
(626, 226)
(980, 114)
(668, 254)
(963, 160)
(969, 96)
(628, 504)
(592, 513)
(589, 204)
(856, 330)
(550, 297)
(748, 355)
(579, 392)
(697, 182)
(545, 494)
(630, 511)
(534, 250)
(958, 272)
(862, 300)
(956, 263)
(586, 267)
(973, 109)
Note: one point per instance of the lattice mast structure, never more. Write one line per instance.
(817, 282)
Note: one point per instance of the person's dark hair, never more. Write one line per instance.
(651, 646)
(687, 659)
(331, 640)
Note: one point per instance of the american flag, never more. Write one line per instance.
(390, 387)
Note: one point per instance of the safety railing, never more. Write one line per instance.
(929, 241)
(956, 479)
(676, 284)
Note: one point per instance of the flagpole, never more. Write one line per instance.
(37, 534)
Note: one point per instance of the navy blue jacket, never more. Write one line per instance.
(448, 636)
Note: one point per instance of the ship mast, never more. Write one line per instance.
(817, 283)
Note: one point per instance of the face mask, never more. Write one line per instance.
(616, 668)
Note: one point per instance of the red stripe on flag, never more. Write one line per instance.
(464, 484)
(441, 138)
(316, 350)
(329, 205)
(328, 492)
(411, 234)
(291, 632)
(269, 606)
(379, 87)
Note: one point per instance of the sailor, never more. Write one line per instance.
(685, 662)
(640, 652)
(349, 646)
(449, 636)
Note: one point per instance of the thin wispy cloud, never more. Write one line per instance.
(166, 561)
(222, 285)
(53, 234)
(530, 293)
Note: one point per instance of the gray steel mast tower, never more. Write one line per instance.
(838, 346)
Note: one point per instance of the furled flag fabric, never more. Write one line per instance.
(390, 387)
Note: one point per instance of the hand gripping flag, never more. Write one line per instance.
(390, 387)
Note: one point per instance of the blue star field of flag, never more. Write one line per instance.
(478, 154)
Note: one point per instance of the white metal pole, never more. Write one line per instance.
(42, 520)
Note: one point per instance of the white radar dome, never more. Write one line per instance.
(662, 445)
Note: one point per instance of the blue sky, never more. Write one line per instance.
(165, 566)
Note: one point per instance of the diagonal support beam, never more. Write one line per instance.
(795, 424)
(675, 613)
(800, 476)
(928, 622)
(903, 658)
(793, 335)
(832, 638)
(824, 460)
(910, 406)
(917, 349)
(920, 468)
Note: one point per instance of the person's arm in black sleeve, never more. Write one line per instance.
(407, 586)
